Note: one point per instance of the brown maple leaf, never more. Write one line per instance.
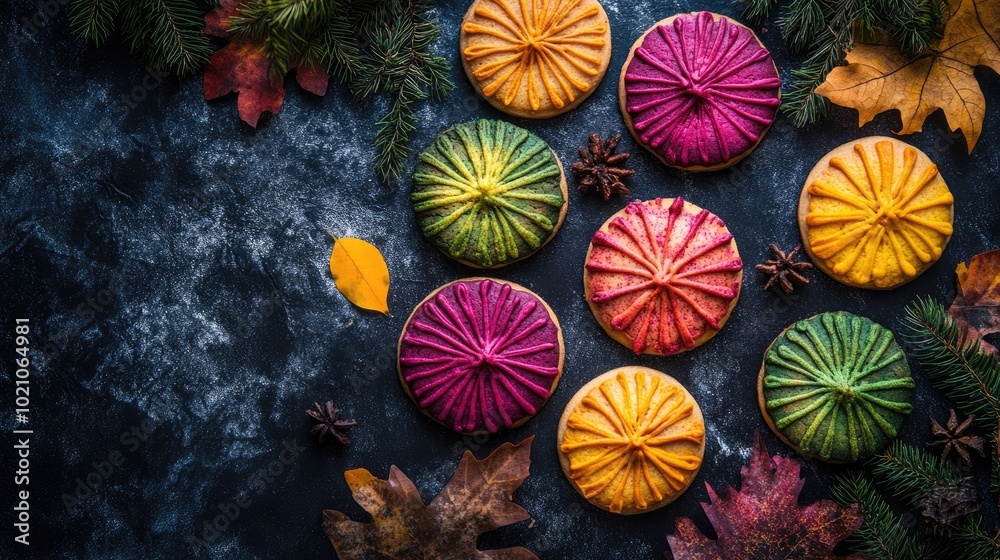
(764, 520)
(477, 499)
(242, 66)
(977, 305)
(879, 77)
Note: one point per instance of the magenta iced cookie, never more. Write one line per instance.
(699, 91)
(481, 355)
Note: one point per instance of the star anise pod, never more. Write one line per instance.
(784, 271)
(600, 168)
(952, 439)
(329, 425)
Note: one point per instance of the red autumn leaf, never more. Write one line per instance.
(242, 66)
(477, 499)
(312, 79)
(977, 306)
(217, 19)
(764, 520)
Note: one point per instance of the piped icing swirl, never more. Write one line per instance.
(634, 441)
(700, 91)
(876, 219)
(481, 355)
(543, 53)
(663, 274)
(488, 192)
(837, 386)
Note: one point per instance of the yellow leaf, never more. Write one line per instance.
(878, 77)
(360, 273)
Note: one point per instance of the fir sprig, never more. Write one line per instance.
(912, 476)
(377, 47)
(955, 364)
(168, 33)
(883, 534)
(823, 31)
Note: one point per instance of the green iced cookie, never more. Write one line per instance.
(489, 193)
(836, 386)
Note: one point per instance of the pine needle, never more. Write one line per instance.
(93, 21)
(824, 30)
(883, 534)
(379, 48)
(955, 364)
(168, 33)
(911, 474)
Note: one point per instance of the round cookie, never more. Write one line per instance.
(835, 386)
(875, 213)
(481, 355)
(489, 193)
(631, 440)
(699, 91)
(536, 58)
(662, 276)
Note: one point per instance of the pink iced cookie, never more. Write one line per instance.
(699, 91)
(662, 276)
(480, 355)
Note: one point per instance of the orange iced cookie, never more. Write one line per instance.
(631, 440)
(875, 213)
(535, 58)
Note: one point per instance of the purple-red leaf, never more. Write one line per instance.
(764, 519)
(243, 67)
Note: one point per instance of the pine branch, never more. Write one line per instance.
(970, 542)
(174, 39)
(756, 10)
(955, 364)
(94, 20)
(882, 536)
(911, 474)
(376, 47)
(824, 30)
(168, 33)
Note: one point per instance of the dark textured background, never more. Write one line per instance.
(174, 266)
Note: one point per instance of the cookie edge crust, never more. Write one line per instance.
(805, 198)
(514, 286)
(463, 41)
(620, 336)
(578, 397)
(628, 118)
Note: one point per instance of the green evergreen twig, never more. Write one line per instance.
(168, 33)
(883, 534)
(376, 47)
(955, 364)
(824, 30)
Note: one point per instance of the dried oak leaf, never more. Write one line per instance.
(764, 520)
(242, 66)
(477, 499)
(977, 305)
(879, 77)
